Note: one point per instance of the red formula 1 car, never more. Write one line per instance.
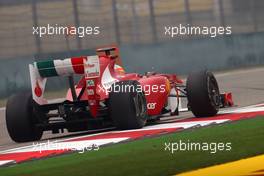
(106, 96)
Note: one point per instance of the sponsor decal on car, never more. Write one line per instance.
(90, 91)
(90, 83)
(151, 105)
(92, 67)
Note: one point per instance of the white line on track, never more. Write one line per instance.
(3, 162)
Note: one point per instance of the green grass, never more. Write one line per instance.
(147, 156)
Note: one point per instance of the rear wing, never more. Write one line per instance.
(40, 71)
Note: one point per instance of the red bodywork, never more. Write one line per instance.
(156, 99)
(107, 67)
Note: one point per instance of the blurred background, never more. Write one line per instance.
(137, 26)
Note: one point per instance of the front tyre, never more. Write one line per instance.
(128, 108)
(21, 118)
(203, 94)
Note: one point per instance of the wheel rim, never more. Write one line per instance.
(213, 91)
(139, 103)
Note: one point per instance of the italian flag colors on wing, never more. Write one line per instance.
(49, 68)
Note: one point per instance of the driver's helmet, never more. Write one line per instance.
(119, 69)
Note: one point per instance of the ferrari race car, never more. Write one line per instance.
(106, 96)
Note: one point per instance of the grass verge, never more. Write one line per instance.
(148, 157)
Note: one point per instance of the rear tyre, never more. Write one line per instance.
(128, 108)
(21, 118)
(203, 94)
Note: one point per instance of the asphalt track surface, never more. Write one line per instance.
(247, 86)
